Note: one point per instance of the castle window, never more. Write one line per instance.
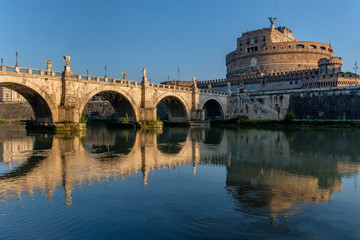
(312, 47)
(291, 82)
(296, 82)
(240, 42)
(289, 46)
(256, 39)
(300, 46)
(256, 48)
(248, 41)
(247, 49)
(264, 38)
(274, 47)
(323, 48)
(240, 48)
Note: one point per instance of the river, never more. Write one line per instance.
(179, 183)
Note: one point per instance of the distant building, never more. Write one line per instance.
(8, 95)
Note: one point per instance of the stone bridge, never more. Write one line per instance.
(58, 97)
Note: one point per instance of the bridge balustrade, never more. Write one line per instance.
(10, 69)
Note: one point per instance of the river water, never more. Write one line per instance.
(180, 183)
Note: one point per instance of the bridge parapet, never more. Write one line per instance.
(30, 71)
(81, 77)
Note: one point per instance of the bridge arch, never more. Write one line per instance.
(178, 110)
(122, 103)
(41, 103)
(213, 108)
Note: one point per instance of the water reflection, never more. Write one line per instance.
(269, 173)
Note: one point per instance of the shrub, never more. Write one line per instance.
(82, 119)
(289, 117)
(126, 119)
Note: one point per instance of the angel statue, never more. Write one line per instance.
(272, 21)
(48, 65)
(67, 60)
(144, 73)
(194, 82)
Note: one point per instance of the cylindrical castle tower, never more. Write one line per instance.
(274, 50)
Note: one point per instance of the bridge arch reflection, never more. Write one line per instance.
(172, 140)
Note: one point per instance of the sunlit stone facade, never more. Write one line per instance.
(274, 50)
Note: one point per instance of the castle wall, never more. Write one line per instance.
(322, 103)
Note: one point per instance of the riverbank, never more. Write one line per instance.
(264, 123)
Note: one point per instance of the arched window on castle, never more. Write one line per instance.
(312, 47)
(323, 48)
(300, 46)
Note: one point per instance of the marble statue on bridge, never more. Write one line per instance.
(67, 60)
(48, 65)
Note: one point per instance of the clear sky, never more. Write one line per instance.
(162, 35)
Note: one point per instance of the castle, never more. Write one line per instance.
(273, 59)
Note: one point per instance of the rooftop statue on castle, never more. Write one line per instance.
(271, 21)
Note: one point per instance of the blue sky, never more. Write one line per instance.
(194, 35)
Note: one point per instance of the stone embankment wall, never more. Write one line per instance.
(325, 103)
(16, 111)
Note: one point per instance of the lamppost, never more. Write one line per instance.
(16, 59)
(105, 71)
(355, 68)
(87, 72)
(2, 61)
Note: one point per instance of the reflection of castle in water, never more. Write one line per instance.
(276, 171)
(262, 166)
